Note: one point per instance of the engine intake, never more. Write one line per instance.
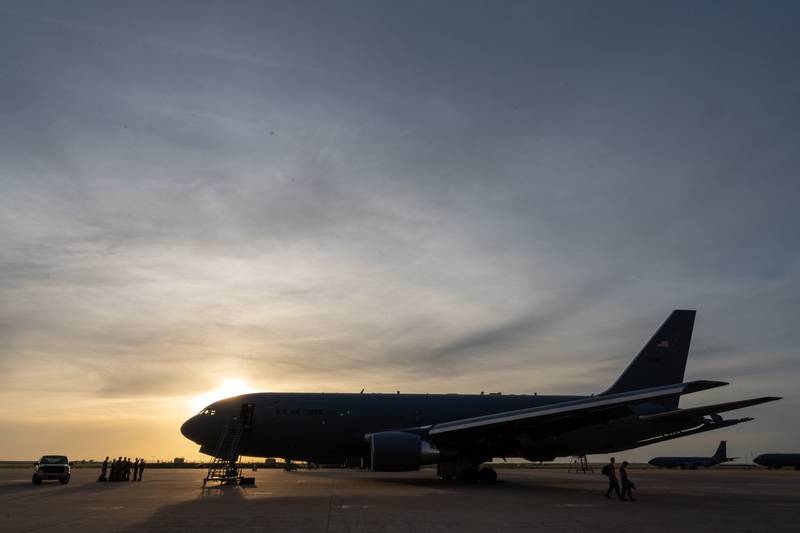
(397, 451)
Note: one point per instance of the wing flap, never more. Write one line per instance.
(609, 403)
(694, 412)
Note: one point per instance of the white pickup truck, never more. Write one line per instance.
(52, 467)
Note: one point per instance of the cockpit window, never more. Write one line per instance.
(208, 412)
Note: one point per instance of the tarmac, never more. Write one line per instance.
(172, 500)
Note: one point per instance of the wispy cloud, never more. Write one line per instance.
(420, 197)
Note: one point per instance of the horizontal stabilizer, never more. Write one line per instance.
(704, 384)
(709, 426)
(694, 412)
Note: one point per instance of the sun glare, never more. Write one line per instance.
(229, 387)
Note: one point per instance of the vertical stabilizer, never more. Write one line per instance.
(662, 361)
(722, 451)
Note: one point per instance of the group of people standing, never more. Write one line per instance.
(122, 469)
(610, 471)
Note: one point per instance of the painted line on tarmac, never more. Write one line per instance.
(348, 506)
(785, 504)
(572, 505)
(105, 508)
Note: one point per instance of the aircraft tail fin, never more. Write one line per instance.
(662, 361)
(722, 450)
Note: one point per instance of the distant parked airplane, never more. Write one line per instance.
(778, 460)
(398, 432)
(693, 462)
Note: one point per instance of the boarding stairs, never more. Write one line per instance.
(580, 464)
(224, 468)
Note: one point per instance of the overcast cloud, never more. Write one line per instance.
(424, 196)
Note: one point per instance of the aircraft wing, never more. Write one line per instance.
(695, 412)
(564, 416)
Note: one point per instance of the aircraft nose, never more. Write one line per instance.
(189, 429)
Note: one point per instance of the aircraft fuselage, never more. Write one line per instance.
(685, 462)
(778, 460)
(329, 428)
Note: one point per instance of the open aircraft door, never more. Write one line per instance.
(246, 415)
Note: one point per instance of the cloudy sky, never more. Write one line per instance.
(423, 196)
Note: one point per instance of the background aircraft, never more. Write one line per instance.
(398, 432)
(720, 456)
(778, 460)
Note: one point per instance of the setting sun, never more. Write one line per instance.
(228, 388)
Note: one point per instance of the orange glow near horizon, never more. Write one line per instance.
(228, 388)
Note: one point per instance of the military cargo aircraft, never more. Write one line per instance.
(461, 432)
(778, 460)
(720, 456)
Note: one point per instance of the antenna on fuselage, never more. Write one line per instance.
(362, 391)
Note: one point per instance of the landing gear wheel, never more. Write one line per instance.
(36, 480)
(487, 476)
(445, 474)
(64, 480)
(469, 476)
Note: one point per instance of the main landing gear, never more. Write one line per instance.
(487, 476)
(466, 471)
(473, 475)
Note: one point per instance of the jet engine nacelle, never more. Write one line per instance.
(397, 451)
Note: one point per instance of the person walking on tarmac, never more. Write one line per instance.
(627, 484)
(610, 471)
(112, 474)
(141, 469)
(135, 468)
(103, 471)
